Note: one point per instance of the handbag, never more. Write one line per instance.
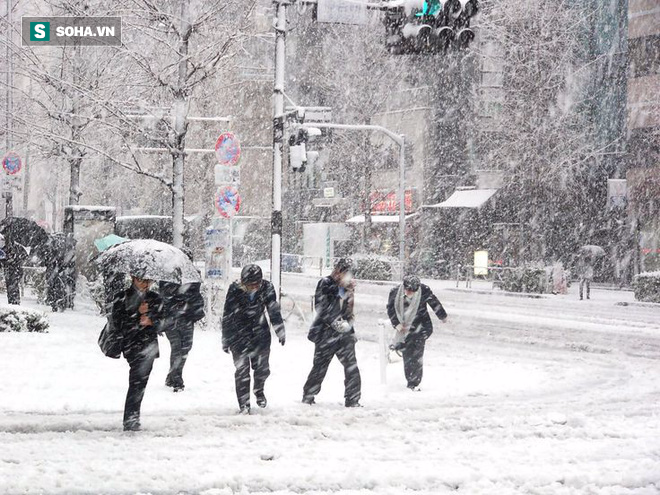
(110, 341)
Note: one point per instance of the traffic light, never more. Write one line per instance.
(429, 26)
(298, 150)
(299, 156)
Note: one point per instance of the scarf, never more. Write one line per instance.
(407, 316)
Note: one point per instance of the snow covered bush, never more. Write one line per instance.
(373, 267)
(525, 279)
(647, 287)
(16, 319)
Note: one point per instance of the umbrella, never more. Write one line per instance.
(591, 250)
(23, 231)
(149, 259)
(108, 241)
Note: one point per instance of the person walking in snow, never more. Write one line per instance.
(406, 308)
(585, 272)
(246, 332)
(333, 334)
(136, 315)
(183, 305)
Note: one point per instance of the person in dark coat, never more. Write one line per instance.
(406, 308)
(137, 314)
(183, 305)
(333, 334)
(13, 265)
(246, 333)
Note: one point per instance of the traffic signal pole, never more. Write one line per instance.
(399, 140)
(278, 141)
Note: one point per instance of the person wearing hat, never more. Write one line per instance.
(136, 315)
(246, 333)
(333, 334)
(406, 308)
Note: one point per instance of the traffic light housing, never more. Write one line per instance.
(298, 150)
(431, 26)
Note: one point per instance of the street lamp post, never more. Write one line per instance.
(401, 142)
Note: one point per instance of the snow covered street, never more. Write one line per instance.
(520, 395)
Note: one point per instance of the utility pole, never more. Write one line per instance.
(9, 205)
(278, 140)
(400, 141)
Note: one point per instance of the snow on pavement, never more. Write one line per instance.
(543, 396)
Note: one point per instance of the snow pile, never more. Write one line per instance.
(647, 287)
(517, 398)
(17, 319)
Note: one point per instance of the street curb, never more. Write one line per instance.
(639, 304)
(500, 293)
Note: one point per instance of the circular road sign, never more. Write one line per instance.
(12, 163)
(227, 149)
(227, 201)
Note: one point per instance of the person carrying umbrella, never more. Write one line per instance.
(246, 333)
(585, 272)
(585, 266)
(406, 308)
(137, 315)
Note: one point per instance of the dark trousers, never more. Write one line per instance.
(344, 349)
(140, 364)
(13, 283)
(257, 359)
(413, 361)
(180, 334)
(583, 282)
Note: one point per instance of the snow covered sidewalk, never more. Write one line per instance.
(508, 405)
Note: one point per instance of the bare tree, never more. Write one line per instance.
(175, 48)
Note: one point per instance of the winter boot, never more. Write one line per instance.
(309, 400)
(261, 400)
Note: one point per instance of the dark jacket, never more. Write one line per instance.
(182, 302)
(329, 309)
(126, 319)
(244, 324)
(421, 326)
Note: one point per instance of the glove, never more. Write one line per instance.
(341, 326)
(282, 339)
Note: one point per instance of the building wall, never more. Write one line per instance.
(644, 128)
(644, 83)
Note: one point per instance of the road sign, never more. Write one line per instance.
(226, 175)
(227, 201)
(217, 250)
(12, 163)
(227, 149)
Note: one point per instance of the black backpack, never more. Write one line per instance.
(110, 340)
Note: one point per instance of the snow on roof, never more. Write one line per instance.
(90, 208)
(471, 198)
(142, 217)
(378, 218)
(650, 274)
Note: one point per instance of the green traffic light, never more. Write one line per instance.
(431, 7)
